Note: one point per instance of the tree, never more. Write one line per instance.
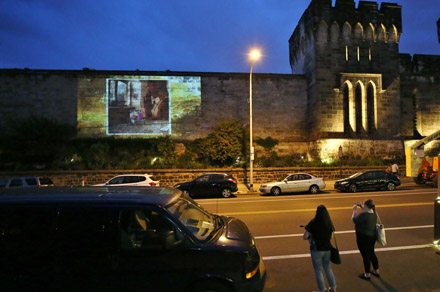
(224, 145)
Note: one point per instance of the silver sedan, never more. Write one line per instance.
(297, 182)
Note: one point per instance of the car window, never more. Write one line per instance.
(129, 179)
(4, 183)
(45, 181)
(303, 176)
(141, 178)
(203, 178)
(292, 177)
(367, 175)
(380, 174)
(26, 223)
(31, 181)
(16, 182)
(217, 177)
(117, 180)
(83, 226)
(143, 228)
(199, 222)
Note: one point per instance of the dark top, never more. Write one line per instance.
(321, 235)
(365, 223)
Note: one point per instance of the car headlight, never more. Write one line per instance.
(344, 183)
(176, 186)
(263, 186)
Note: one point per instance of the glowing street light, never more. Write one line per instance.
(254, 55)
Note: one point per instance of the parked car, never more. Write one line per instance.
(210, 184)
(145, 180)
(26, 182)
(122, 239)
(296, 182)
(369, 180)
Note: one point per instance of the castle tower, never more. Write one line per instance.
(350, 57)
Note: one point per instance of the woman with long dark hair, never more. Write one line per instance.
(319, 232)
(365, 225)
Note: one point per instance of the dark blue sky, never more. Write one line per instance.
(177, 35)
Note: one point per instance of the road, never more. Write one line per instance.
(408, 263)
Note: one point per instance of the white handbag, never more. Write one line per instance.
(380, 232)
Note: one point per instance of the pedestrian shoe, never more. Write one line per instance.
(331, 289)
(363, 277)
(376, 274)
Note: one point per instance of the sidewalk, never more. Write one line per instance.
(329, 186)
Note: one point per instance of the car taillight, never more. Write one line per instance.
(153, 184)
(233, 180)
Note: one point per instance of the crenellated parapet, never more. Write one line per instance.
(345, 24)
(420, 64)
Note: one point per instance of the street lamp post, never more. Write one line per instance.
(254, 56)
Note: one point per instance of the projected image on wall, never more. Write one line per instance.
(138, 107)
(133, 105)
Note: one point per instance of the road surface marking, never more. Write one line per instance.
(308, 197)
(344, 232)
(345, 252)
(329, 209)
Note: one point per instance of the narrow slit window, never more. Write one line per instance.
(358, 54)
(369, 54)
(346, 53)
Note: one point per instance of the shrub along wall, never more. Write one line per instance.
(170, 177)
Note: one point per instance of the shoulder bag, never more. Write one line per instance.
(334, 255)
(380, 232)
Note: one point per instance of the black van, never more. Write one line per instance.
(122, 239)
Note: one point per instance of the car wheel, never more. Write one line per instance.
(226, 192)
(353, 188)
(391, 186)
(314, 189)
(211, 286)
(275, 191)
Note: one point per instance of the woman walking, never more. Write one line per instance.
(319, 232)
(365, 225)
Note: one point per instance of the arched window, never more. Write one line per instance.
(358, 107)
(334, 32)
(322, 34)
(371, 109)
(346, 32)
(346, 108)
(358, 32)
(381, 36)
(369, 35)
(393, 37)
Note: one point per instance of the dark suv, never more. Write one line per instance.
(369, 180)
(210, 184)
(122, 239)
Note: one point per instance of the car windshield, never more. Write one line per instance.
(355, 175)
(198, 221)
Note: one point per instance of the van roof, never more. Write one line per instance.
(161, 196)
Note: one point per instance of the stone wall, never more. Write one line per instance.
(78, 98)
(420, 94)
(170, 177)
(24, 93)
